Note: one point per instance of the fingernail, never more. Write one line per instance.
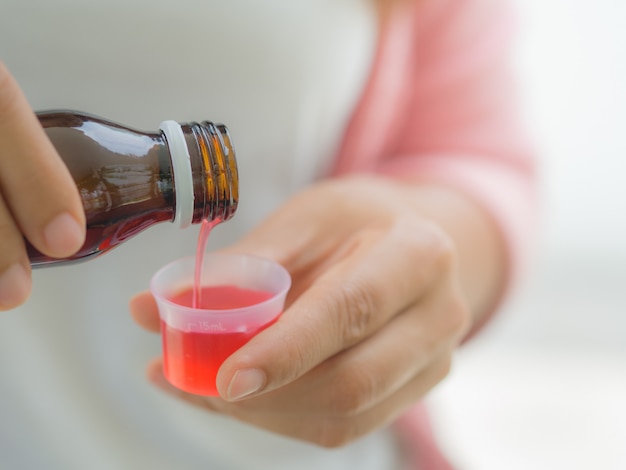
(244, 383)
(15, 286)
(63, 235)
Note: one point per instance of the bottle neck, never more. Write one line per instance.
(206, 182)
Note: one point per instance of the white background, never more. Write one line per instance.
(545, 386)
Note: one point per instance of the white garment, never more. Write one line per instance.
(284, 76)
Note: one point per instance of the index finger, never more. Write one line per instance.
(382, 272)
(35, 184)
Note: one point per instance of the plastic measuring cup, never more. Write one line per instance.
(241, 295)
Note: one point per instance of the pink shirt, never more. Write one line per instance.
(440, 106)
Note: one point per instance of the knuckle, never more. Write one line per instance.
(355, 304)
(299, 356)
(353, 393)
(333, 433)
(459, 319)
(426, 244)
(443, 368)
(442, 250)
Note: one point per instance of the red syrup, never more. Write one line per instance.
(203, 238)
(192, 358)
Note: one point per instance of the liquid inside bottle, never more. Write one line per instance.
(129, 180)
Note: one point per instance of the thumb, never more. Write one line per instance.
(293, 245)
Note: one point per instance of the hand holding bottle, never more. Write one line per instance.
(38, 197)
(377, 306)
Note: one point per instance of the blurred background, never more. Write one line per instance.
(545, 386)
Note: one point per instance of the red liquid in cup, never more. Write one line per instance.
(191, 359)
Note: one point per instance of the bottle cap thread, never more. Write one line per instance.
(181, 167)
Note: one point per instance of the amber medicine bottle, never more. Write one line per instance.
(130, 180)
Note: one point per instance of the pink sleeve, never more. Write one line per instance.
(461, 125)
(440, 106)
